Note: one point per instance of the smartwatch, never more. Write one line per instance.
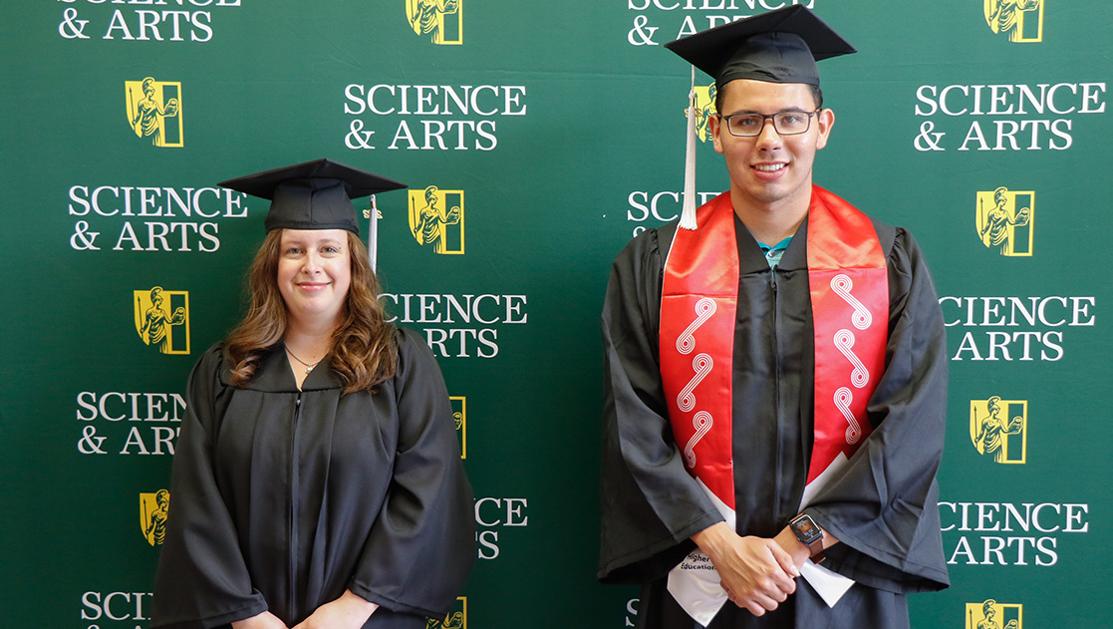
(809, 534)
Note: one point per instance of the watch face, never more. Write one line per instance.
(806, 530)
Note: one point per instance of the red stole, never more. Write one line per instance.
(849, 289)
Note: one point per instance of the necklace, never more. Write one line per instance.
(308, 366)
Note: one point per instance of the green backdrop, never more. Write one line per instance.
(557, 128)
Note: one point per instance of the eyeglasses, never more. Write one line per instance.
(750, 125)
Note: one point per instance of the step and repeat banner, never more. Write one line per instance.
(536, 139)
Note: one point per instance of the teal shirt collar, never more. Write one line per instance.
(773, 253)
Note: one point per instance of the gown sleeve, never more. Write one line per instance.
(650, 505)
(202, 580)
(422, 546)
(883, 508)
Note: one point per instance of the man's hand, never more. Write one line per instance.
(756, 572)
(347, 612)
(800, 553)
(265, 620)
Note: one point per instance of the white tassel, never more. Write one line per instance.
(688, 211)
(373, 236)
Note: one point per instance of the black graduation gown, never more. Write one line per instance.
(883, 508)
(280, 500)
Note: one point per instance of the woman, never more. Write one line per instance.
(317, 481)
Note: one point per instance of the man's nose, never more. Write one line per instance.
(768, 138)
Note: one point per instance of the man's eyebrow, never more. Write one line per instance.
(779, 111)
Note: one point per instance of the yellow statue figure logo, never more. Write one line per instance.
(999, 429)
(162, 319)
(989, 614)
(1021, 20)
(154, 111)
(437, 219)
(153, 509)
(705, 110)
(460, 417)
(1006, 221)
(455, 619)
(441, 21)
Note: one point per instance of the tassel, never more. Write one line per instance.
(373, 236)
(688, 211)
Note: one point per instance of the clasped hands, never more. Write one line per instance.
(757, 573)
(348, 611)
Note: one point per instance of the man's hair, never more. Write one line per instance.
(816, 92)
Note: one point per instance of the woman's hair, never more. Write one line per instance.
(364, 352)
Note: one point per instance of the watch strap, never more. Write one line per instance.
(815, 547)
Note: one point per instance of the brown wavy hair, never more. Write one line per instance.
(364, 352)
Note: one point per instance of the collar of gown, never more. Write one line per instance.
(752, 259)
(274, 375)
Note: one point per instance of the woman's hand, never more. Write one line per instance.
(347, 612)
(265, 620)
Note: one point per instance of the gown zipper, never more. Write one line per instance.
(776, 389)
(292, 515)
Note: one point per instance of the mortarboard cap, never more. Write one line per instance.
(312, 195)
(317, 195)
(780, 46)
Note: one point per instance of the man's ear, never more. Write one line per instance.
(713, 124)
(825, 119)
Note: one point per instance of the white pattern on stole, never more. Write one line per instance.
(705, 307)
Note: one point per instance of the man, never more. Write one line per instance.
(775, 377)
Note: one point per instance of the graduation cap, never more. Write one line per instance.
(780, 46)
(316, 195)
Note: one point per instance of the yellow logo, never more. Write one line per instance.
(460, 416)
(155, 111)
(989, 614)
(153, 508)
(442, 21)
(999, 429)
(437, 219)
(162, 319)
(705, 109)
(457, 618)
(1022, 20)
(1007, 220)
